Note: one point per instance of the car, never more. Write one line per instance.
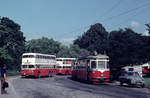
(132, 79)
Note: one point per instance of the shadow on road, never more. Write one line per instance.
(31, 77)
(87, 82)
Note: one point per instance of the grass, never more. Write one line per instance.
(147, 81)
(12, 72)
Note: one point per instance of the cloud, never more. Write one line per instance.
(135, 24)
(66, 41)
(146, 33)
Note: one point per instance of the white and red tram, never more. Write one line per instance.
(37, 65)
(92, 68)
(64, 65)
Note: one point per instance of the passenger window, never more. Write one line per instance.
(31, 66)
(93, 64)
(24, 66)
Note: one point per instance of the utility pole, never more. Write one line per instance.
(148, 28)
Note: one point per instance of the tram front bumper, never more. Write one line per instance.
(99, 79)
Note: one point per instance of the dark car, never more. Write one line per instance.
(132, 79)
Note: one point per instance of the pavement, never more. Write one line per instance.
(10, 91)
(65, 87)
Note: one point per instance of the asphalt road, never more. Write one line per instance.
(65, 87)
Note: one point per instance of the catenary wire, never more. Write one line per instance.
(112, 17)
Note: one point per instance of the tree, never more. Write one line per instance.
(43, 45)
(76, 51)
(95, 39)
(12, 42)
(73, 51)
(148, 28)
(125, 48)
(4, 56)
(64, 52)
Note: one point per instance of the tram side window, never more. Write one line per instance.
(31, 66)
(28, 56)
(93, 64)
(68, 66)
(24, 66)
(107, 65)
(59, 60)
(25, 56)
(38, 66)
(59, 67)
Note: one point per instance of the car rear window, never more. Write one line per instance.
(130, 74)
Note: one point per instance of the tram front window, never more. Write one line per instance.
(93, 64)
(101, 64)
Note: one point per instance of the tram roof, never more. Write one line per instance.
(99, 56)
(37, 54)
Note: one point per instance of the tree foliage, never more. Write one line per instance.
(43, 45)
(148, 28)
(12, 42)
(124, 47)
(95, 39)
(49, 46)
(72, 51)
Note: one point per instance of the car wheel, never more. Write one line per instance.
(121, 83)
(143, 85)
(132, 83)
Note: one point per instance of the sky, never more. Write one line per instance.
(65, 20)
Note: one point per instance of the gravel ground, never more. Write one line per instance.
(65, 87)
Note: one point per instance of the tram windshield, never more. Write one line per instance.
(98, 64)
(101, 64)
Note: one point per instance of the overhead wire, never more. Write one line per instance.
(126, 12)
(115, 16)
(106, 13)
(137, 14)
(109, 10)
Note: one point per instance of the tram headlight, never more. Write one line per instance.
(32, 71)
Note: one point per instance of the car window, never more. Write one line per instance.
(131, 69)
(136, 74)
(130, 74)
